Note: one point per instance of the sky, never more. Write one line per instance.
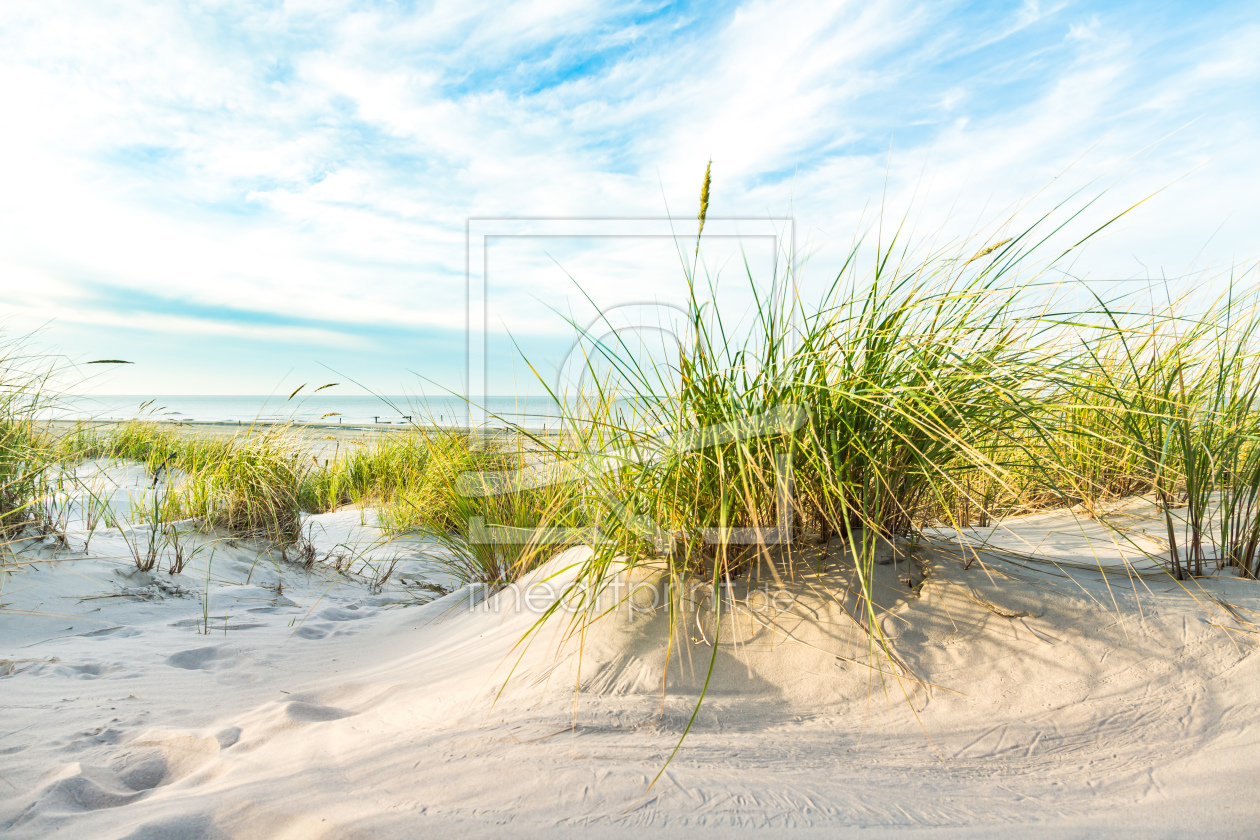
(240, 197)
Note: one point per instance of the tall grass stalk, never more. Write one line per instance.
(24, 457)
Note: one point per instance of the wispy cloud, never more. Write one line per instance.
(288, 175)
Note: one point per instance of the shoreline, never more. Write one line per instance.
(323, 440)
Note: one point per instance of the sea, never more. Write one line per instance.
(345, 409)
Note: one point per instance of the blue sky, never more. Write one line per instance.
(234, 194)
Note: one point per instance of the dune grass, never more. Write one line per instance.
(259, 483)
(21, 463)
(932, 391)
(947, 389)
(398, 473)
(252, 489)
(895, 401)
(941, 391)
(441, 483)
(252, 484)
(923, 388)
(24, 453)
(936, 389)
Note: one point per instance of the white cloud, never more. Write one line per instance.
(319, 164)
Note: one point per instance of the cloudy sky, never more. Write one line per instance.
(232, 194)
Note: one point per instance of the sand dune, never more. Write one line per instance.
(1032, 700)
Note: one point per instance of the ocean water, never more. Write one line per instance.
(532, 412)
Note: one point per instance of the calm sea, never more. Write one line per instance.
(532, 412)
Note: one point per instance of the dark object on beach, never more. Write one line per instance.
(109, 362)
(157, 473)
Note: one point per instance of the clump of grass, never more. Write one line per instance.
(24, 451)
(251, 488)
(443, 484)
(252, 484)
(96, 508)
(258, 484)
(182, 552)
(144, 548)
(146, 442)
(393, 466)
(493, 527)
(943, 388)
(906, 385)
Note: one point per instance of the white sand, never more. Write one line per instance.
(1066, 704)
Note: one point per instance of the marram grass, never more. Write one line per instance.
(951, 386)
(939, 389)
(250, 485)
(24, 451)
(922, 389)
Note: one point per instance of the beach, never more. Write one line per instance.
(261, 697)
(323, 441)
(624, 420)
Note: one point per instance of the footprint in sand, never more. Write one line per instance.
(117, 632)
(93, 737)
(301, 712)
(151, 760)
(87, 789)
(88, 671)
(228, 737)
(330, 620)
(352, 613)
(201, 659)
(185, 826)
(143, 772)
(323, 630)
(78, 788)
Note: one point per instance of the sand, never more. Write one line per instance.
(1049, 701)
